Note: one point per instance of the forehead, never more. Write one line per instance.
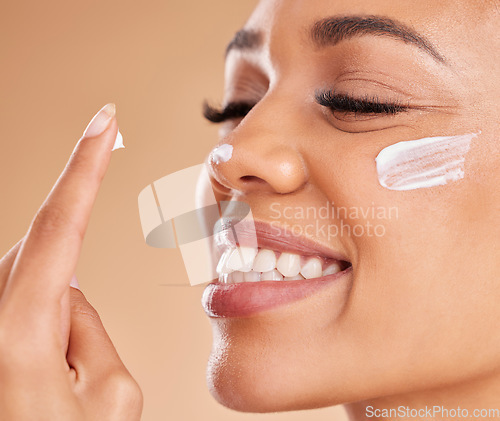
(418, 12)
(455, 26)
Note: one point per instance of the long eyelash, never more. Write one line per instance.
(366, 105)
(231, 111)
(329, 99)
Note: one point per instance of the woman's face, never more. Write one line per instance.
(418, 310)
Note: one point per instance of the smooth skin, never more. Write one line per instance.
(417, 322)
(56, 360)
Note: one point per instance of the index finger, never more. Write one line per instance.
(6, 263)
(48, 256)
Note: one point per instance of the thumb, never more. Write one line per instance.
(100, 374)
(90, 351)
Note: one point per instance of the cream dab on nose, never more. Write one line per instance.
(222, 154)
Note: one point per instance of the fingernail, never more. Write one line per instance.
(100, 121)
(74, 283)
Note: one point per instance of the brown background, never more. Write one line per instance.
(157, 60)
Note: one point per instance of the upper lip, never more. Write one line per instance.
(266, 236)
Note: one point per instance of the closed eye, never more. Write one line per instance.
(231, 111)
(366, 105)
(329, 99)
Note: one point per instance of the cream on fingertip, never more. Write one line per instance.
(118, 142)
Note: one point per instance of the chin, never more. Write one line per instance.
(237, 388)
(239, 394)
(236, 379)
(247, 375)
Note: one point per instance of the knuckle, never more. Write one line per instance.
(50, 219)
(124, 388)
(85, 310)
(80, 163)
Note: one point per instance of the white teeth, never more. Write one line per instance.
(251, 276)
(248, 264)
(288, 264)
(241, 259)
(333, 268)
(223, 278)
(272, 275)
(312, 268)
(233, 261)
(248, 255)
(294, 278)
(237, 277)
(222, 267)
(265, 261)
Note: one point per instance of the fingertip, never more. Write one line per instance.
(74, 283)
(100, 121)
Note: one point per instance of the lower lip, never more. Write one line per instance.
(250, 298)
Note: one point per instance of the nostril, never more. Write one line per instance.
(251, 179)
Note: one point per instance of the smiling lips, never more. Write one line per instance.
(281, 269)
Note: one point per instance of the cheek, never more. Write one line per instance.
(424, 294)
(419, 284)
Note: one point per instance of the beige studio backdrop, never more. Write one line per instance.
(61, 61)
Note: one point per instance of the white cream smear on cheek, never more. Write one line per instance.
(423, 163)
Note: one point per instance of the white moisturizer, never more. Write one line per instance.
(423, 163)
(222, 154)
(118, 141)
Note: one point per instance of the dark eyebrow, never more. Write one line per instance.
(245, 39)
(331, 31)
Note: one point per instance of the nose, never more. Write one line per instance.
(257, 158)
